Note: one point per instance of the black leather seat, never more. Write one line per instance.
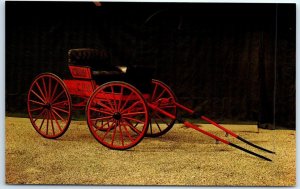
(103, 71)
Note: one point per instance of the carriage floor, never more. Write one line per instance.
(181, 157)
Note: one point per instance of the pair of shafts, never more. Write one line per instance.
(193, 126)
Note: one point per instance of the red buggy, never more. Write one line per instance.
(122, 104)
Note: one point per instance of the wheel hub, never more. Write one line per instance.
(47, 106)
(117, 116)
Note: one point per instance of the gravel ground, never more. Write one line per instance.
(181, 157)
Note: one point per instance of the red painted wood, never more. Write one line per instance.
(219, 126)
(80, 72)
(188, 124)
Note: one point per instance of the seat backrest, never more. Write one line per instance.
(86, 62)
(94, 58)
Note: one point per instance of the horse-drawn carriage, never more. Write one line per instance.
(123, 104)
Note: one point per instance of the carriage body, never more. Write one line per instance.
(82, 85)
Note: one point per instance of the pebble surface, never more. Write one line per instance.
(182, 157)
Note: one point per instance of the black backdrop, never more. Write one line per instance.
(235, 62)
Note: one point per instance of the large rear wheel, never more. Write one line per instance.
(49, 105)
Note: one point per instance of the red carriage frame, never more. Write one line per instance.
(118, 114)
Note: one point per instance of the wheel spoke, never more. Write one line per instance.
(58, 125)
(131, 107)
(157, 125)
(56, 104)
(114, 97)
(153, 94)
(36, 102)
(109, 102)
(121, 135)
(61, 110)
(128, 134)
(102, 118)
(36, 109)
(61, 93)
(160, 95)
(95, 125)
(44, 86)
(103, 105)
(62, 119)
(126, 101)
(108, 130)
(47, 126)
(40, 90)
(49, 91)
(102, 125)
(38, 96)
(161, 118)
(121, 98)
(132, 127)
(132, 119)
(42, 123)
(151, 131)
(101, 111)
(54, 91)
(51, 121)
(114, 133)
(37, 117)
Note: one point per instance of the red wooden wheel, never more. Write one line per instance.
(117, 115)
(163, 97)
(49, 105)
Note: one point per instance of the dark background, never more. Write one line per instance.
(235, 62)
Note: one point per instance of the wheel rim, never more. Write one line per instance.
(163, 97)
(117, 115)
(49, 106)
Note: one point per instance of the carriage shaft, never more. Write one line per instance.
(223, 128)
(195, 127)
(206, 119)
(190, 125)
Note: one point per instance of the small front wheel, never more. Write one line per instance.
(117, 115)
(163, 97)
